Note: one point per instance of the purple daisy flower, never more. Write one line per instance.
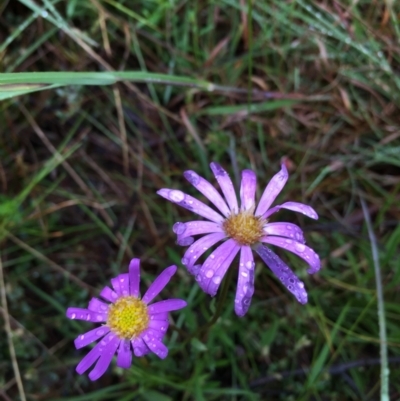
(242, 229)
(129, 323)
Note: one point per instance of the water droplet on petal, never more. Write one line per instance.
(88, 316)
(299, 247)
(185, 261)
(288, 241)
(209, 273)
(73, 316)
(244, 274)
(212, 256)
(82, 337)
(99, 332)
(176, 196)
(216, 279)
(289, 227)
(192, 177)
(185, 241)
(179, 228)
(300, 284)
(249, 264)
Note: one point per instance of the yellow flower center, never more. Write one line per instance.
(244, 228)
(128, 317)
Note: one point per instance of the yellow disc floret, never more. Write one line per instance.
(244, 228)
(128, 317)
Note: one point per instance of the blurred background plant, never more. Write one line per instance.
(313, 83)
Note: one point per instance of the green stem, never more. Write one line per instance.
(381, 306)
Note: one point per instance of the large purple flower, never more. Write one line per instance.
(242, 229)
(129, 323)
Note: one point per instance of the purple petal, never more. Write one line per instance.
(166, 306)
(295, 207)
(183, 230)
(158, 284)
(121, 284)
(156, 346)
(226, 185)
(93, 355)
(210, 275)
(208, 191)
(301, 250)
(124, 284)
(134, 277)
(272, 190)
(159, 316)
(193, 253)
(86, 314)
(287, 230)
(108, 294)
(245, 285)
(139, 347)
(159, 325)
(105, 358)
(89, 359)
(283, 272)
(190, 203)
(155, 333)
(248, 190)
(124, 356)
(96, 305)
(115, 285)
(90, 336)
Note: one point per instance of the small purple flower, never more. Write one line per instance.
(129, 323)
(242, 229)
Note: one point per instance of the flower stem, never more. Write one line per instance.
(381, 306)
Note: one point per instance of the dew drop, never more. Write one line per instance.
(45, 14)
(99, 332)
(179, 228)
(73, 316)
(185, 261)
(114, 295)
(121, 280)
(185, 241)
(249, 264)
(88, 316)
(216, 279)
(246, 301)
(288, 241)
(300, 284)
(82, 337)
(99, 317)
(209, 273)
(192, 177)
(212, 256)
(244, 274)
(176, 196)
(289, 227)
(299, 247)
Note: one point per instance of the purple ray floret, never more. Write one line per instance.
(241, 230)
(131, 325)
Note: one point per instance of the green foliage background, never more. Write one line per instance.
(166, 86)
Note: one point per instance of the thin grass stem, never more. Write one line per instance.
(381, 306)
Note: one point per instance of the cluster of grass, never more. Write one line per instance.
(315, 83)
